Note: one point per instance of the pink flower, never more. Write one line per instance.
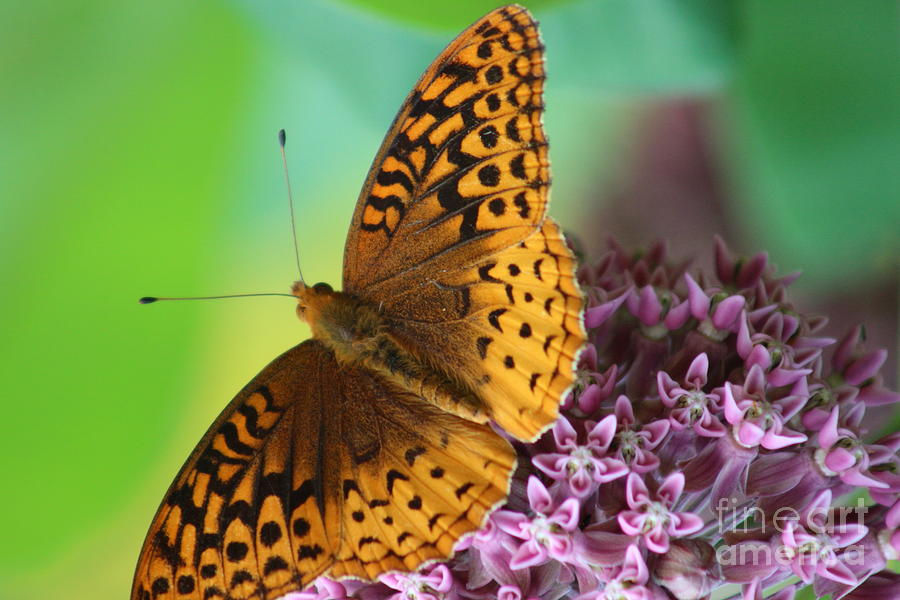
(627, 582)
(546, 534)
(582, 467)
(634, 442)
(810, 545)
(757, 421)
(717, 314)
(841, 453)
(430, 584)
(652, 517)
(325, 589)
(691, 406)
(702, 407)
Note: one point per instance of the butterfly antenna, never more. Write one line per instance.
(282, 140)
(152, 299)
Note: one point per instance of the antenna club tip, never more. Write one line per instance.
(147, 300)
(282, 137)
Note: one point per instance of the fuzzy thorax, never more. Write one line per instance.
(359, 335)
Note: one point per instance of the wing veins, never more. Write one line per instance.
(439, 254)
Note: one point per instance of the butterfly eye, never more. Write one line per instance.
(322, 288)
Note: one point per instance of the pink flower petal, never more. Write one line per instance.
(839, 460)
(677, 316)
(781, 376)
(836, 571)
(696, 373)
(733, 413)
(749, 434)
(554, 465)
(589, 400)
(776, 441)
(684, 524)
(866, 367)
(597, 315)
(566, 516)
(564, 434)
(697, 298)
(709, 426)
(728, 312)
(657, 431)
(755, 382)
(581, 483)
(603, 433)
(538, 496)
(513, 523)
(657, 540)
(665, 385)
(744, 344)
(828, 435)
(758, 357)
(509, 592)
(649, 309)
(855, 478)
(634, 569)
(636, 492)
(624, 411)
(529, 554)
(631, 522)
(671, 488)
(443, 578)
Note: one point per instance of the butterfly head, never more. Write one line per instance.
(312, 299)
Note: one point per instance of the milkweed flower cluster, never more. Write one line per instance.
(714, 437)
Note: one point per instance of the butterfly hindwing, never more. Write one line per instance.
(317, 468)
(416, 478)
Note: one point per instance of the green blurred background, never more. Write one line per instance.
(139, 157)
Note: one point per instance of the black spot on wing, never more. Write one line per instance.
(521, 203)
(413, 453)
(274, 563)
(482, 344)
(463, 489)
(494, 318)
(484, 271)
(392, 476)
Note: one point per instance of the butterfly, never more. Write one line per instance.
(369, 447)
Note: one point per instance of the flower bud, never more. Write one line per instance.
(687, 570)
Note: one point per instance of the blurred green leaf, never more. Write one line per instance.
(113, 130)
(627, 48)
(817, 134)
(441, 15)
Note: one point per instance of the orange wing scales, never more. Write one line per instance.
(283, 489)
(467, 140)
(511, 328)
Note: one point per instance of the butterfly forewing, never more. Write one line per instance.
(451, 238)
(317, 468)
(463, 170)
(244, 513)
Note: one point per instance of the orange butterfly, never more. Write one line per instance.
(367, 448)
